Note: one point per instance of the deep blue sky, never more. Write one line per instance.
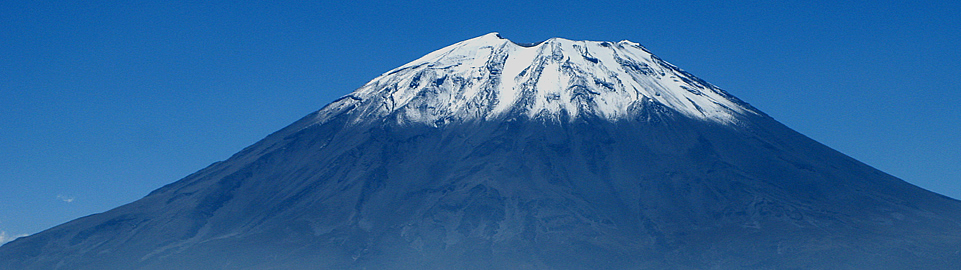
(103, 102)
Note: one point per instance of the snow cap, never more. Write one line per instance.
(489, 77)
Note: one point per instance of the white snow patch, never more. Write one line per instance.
(519, 59)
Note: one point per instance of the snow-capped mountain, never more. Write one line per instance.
(488, 77)
(489, 154)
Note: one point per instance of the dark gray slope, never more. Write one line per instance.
(656, 191)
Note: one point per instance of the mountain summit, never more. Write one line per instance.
(488, 154)
(489, 77)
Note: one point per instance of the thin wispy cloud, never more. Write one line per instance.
(4, 238)
(68, 199)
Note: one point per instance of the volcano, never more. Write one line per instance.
(489, 154)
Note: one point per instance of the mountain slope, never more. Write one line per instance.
(488, 154)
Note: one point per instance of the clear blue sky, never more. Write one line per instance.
(103, 102)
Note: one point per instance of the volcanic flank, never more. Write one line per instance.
(488, 154)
